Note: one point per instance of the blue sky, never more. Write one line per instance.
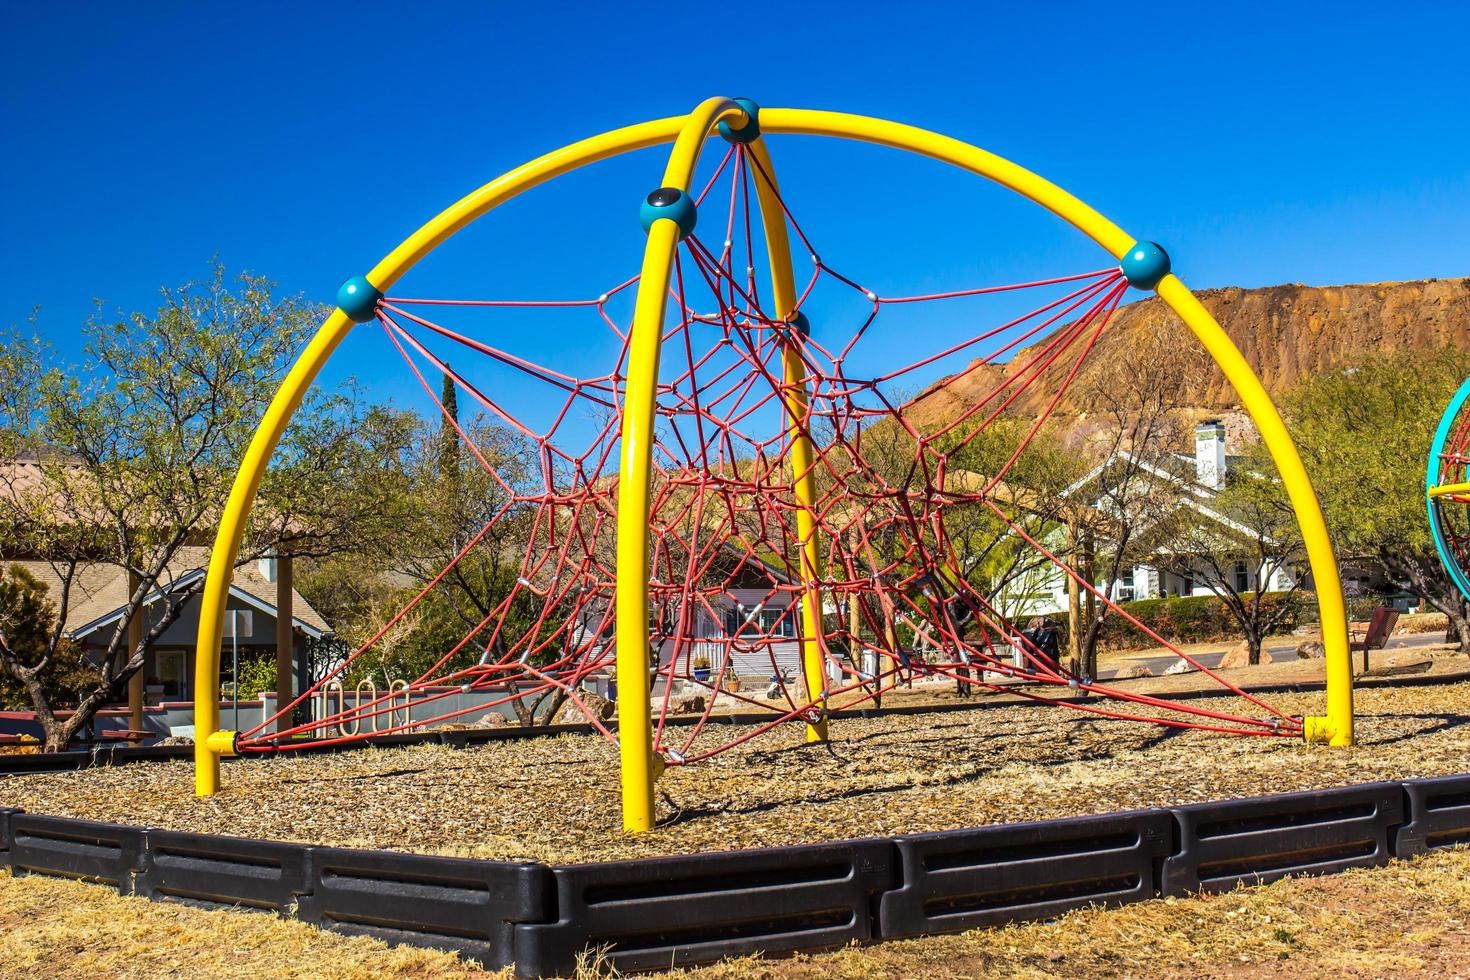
(1259, 143)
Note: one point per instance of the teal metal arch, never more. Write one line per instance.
(1436, 528)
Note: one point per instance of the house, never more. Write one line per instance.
(754, 611)
(99, 597)
(746, 605)
(99, 591)
(1198, 479)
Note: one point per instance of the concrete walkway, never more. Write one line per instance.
(1282, 648)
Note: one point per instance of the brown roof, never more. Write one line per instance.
(99, 591)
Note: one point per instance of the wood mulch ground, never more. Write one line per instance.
(556, 799)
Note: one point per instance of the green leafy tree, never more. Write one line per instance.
(125, 458)
(257, 674)
(447, 502)
(449, 438)
(1364, 434)
(30, 634)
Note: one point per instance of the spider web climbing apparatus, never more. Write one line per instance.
(1449, 489)
(727, 580)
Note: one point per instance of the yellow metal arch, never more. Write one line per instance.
(688, 134)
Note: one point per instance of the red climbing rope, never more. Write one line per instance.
(894, 514)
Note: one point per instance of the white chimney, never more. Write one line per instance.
(267, 567)
(1209, 453)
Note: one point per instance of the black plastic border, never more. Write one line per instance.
(667, 912)
(5, 814)
(963, 879)
(1438, 815)
(68, 848)
(1255, 841)
(462, 905)
(539, 918)
(212, 871)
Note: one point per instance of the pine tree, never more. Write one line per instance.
(448, 436)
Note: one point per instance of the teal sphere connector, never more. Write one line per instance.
(359, 299)
(1145, 264)
(748, 133)
(671, 203)
(800, 323)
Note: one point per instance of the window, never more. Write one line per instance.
(770, 621)
(171, 672)
(1242, 577)
(778, 622)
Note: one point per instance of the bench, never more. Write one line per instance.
(123, 735)
(1375, 637)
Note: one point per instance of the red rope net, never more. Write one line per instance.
(727, 583)
(1453, 512)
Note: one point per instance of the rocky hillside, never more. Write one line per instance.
(1286, 332)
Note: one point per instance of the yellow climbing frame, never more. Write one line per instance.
(688, 134)
(1449, 490)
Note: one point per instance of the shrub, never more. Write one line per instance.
(1192, 619)
(27, 618)
(257, 674)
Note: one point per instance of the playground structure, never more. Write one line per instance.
(748, 457)
(1447, 486)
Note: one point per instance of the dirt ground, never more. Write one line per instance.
(1410, 921)
(556, 799)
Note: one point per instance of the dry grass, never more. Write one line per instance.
(1422, 623)
(51, 928)
(1410, 920)
(556, 799)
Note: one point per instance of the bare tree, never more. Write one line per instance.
(1235, 543)
(1137, 399)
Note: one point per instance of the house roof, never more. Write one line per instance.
(1177, 468)
(99, 591)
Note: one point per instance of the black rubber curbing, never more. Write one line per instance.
(211, 871)
(1438, 815)
(1255, 841)
(663, 912)
(461, 905)
(964, 879)
(69, 848)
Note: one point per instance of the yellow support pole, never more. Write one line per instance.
(227, 547)
(783, 290)
(640, 402)
(1449, 490)
(635, 730)
(1336, 727)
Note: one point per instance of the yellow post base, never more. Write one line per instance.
(207, 753)
(222, 744)
(1319, 730)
